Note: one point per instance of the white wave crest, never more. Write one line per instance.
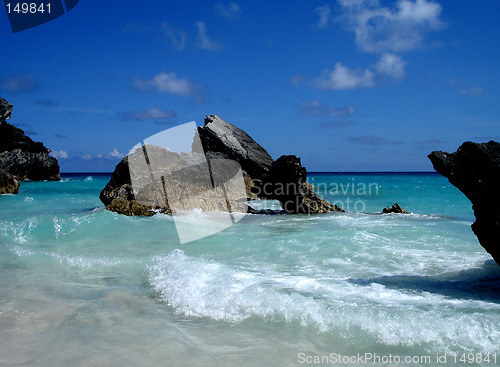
(200, 288)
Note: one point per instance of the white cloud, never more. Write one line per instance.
(391, 66)
(231, 11)
(86, 156)
(178, 37)
(474, 91)
(342, 77)
(382, 29)
(114, 154)
(324, 12)
(166, 83)
(317, 108)
(203, 41)
(149, 114)
(59, 154)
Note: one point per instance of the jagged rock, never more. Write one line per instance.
(289, 186)
(396, 208)
(5, 110)
(219, 136)
(183, 180)
(27, 165)
(475, 170)
(167, 181)
(22, 157)
(8, 184)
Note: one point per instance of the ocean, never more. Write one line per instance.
(82, 286)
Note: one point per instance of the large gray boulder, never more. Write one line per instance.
(153, 179)
(475, 170)
(219, 136)
(223, 144)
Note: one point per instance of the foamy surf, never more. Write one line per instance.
(200, 288)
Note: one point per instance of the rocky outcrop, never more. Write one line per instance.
(22, 157)
(396, 208)
(153, 179)
(219, 136)
(289, 186)
(28, 165)
(5, 110)
(475, 170)
(182, 178)
(8, 184)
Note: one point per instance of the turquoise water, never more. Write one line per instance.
(81, 286)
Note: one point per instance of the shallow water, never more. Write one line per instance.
(87, 287)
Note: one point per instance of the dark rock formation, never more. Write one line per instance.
(219, 136)
(475, 170)
(22, 157)
(8, 184)
(27, 165)
(5, 110)
(289, 186)
(183, 175)
(396, 208)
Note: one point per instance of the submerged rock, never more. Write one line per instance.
(22, 157)
(396, 208)
(475, 170)
(8, 184)
(223, 145)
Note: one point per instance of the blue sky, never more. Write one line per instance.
(359, 85)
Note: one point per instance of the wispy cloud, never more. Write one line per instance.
(148, 114)
(373, 140)
(203, 41)
(165, 83)
(19, 84)
(402, 27)
(231, 11)
(475, 91)
(113, 154)
(336, 124)
(49, 102)
(59, 136)
(178, 37)
(324, 12)
(430, 144)
(318, 108)
(80, 110)
(391, 66)
(59, 154)
(342, 78)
